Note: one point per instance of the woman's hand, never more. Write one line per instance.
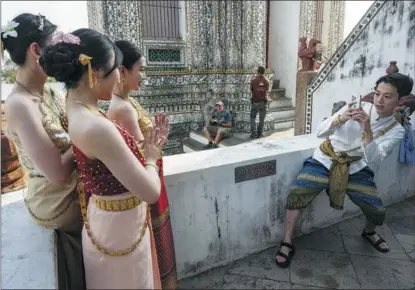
(162, 122)
(152, 145)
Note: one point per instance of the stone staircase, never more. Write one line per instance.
(280, 117)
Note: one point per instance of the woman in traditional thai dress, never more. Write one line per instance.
(127, 112)
(120, 178)
(36, 124)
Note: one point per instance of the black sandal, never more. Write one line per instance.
(288, 257)
(376, 244)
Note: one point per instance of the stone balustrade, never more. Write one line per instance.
(217, 217)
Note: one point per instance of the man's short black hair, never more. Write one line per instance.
(402, 83)
(261, 70)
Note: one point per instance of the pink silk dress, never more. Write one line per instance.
(117, 238)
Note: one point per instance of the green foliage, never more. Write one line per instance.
(8, 76)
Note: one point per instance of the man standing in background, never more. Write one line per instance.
(259, 89)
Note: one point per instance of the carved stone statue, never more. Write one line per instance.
(307, 53)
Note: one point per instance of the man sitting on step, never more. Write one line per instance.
(219, 126)
(357, 136)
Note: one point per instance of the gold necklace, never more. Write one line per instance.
(120, 96)
(98, 110)
(31, 93)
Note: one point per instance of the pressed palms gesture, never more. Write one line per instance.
(161, 121)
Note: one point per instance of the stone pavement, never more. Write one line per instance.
(333, 257)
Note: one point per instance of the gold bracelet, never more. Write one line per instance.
(340, 122)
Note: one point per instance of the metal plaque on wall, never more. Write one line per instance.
(254, 171)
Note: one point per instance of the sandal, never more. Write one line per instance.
(366, 235)
(288, 257)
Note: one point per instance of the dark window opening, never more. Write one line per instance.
(161, 19)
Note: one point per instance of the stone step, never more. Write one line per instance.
(192, 145)
(277, 93)
(282, 124)
(275, 84)
(280, 113)
(279, 102)
(199, 137)
(197, 140)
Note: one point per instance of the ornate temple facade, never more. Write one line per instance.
(198, 52)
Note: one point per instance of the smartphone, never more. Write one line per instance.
(356, 103)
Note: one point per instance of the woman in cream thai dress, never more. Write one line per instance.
(127, 112)
(36, 124)
(120, 178)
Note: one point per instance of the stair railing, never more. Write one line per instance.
(336, 57)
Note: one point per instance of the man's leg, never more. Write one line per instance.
(312, 179)
(218, 138)
(262, 114)
(208, 134)
(254, 111)
(362, 192)
(222, 133)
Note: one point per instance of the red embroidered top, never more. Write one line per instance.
(97, 178)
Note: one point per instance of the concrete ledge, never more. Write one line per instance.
(27, 253)
(216, 221)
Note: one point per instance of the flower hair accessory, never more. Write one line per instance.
(9, 29)
(86, 60)
(60, 36)
(41, 22)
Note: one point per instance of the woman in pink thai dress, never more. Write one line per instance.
(120, 178)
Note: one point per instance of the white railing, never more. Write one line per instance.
(336, 57)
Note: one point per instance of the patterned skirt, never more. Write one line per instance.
(314, 178)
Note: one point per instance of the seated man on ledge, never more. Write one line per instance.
(219, 126)
(357, 136)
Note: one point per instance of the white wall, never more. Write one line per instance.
(284, 25)
(216, 221)
(385, 39)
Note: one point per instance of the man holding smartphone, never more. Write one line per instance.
(356, 137)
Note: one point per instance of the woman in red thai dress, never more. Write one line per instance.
(120, 179)
(128, 113)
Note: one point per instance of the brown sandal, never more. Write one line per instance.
(288, 257)
(376, 244)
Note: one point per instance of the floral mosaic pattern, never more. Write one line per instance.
(225, 42)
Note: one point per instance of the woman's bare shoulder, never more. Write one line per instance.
(90, 132)
(121, 108)
(18, 104)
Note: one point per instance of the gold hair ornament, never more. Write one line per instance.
(86, 60)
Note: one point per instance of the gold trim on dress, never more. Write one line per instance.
(48, 219)
(82, 199)
(117, 205)
(159, 220)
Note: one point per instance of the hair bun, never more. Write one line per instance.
(61, 61)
